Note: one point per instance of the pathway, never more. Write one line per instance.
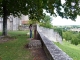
(37, 51)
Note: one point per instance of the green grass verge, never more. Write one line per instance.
(15, 49)
(72, 50)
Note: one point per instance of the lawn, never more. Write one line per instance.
(15, 49)
(72, 50)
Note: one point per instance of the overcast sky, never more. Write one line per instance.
(59, 21)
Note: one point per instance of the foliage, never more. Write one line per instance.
(33, 21)
(13, 7)
(74, 40)
(15, 49)
(59, 30)
(67, 35)
(73, 37)
(71, 9)
(78, 38)
(72, 50)
(34, 8)
(46, 22)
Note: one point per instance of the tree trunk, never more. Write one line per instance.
(35, 31)
(4, 25)
(4, 20)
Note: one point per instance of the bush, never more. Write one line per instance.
(75, 42)
(73, 37)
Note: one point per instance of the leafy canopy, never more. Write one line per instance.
(71, 9)
(46, 22)
(34, 8)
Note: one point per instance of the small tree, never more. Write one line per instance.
(67, 35)
(46, 22)
(74, 40)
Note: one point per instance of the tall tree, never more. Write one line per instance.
(71, 9)
(11, 7)
(46, 22)
(34, 8)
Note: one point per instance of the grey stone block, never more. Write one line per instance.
(35, 44)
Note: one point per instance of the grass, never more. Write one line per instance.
(72, 50)
(15, 49)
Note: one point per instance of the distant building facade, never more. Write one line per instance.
(13, 23)
(75, 29)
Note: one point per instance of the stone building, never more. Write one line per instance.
(13, 23)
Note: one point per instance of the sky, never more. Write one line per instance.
(62, 21)
(58, 21)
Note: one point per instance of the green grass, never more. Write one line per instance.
(72, 50)
(15, 49)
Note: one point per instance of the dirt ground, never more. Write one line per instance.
(6, 38)
(38, 54)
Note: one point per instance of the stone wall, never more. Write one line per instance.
(23, 27)
(50, 34)
(12, 23)
(53, 52)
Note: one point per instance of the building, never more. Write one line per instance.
(75, 29)
(13, 23)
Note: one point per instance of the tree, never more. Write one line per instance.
(11, 7)
(75, 40)
(46, 22)
(33, 8)
(78, 37)
(73, 37)
(71, 9)
(67, 35)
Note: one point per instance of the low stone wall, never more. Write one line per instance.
(53, 52)
(23, 27)
(34, 44)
